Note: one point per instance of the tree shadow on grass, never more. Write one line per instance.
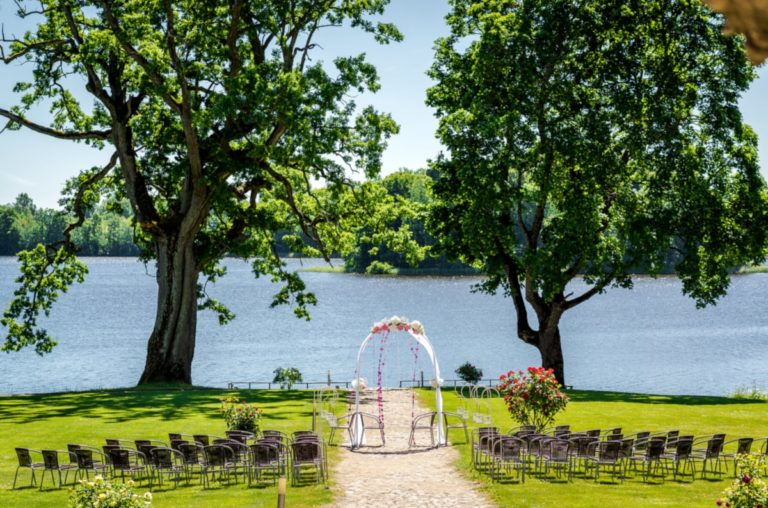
(648, 398)
(644, 398)
(164, 403)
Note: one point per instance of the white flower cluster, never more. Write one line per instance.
(397, 323)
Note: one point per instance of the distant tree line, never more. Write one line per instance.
(374, 255)
(414, 190)
(107, 231)
(104, 232)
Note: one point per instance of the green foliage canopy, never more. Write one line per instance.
(586, 139)
(396, 237)
(219, 121)
(287, 377)
(469, 373)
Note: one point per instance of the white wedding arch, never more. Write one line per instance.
(416, 331)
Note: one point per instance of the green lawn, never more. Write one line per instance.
(632, 412)
(52, 421)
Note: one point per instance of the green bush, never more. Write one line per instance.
(287, 377)
(380, 268)
(469, 373)
(749, 393)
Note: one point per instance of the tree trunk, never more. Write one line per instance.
(171, 346)
(552, 351)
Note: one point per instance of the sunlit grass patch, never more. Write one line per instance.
(51, 421)
(697, 415)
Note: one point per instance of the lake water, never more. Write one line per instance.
(650, 339)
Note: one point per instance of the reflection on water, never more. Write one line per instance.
(651, 339)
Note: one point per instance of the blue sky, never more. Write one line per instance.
(39, 165)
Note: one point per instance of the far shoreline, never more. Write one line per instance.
(336, 266)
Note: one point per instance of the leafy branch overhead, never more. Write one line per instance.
(45, 274)
(49, 270)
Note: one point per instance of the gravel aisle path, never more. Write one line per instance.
(395, 476)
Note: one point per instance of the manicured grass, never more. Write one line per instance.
(753, 269)
(633, 412)
(52, 421)
(409, 272)
(323, 269)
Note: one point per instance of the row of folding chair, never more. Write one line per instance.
(82, 460)
(210, 458)
(523, 451)
(276, 451)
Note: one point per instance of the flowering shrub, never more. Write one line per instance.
(532, 398)
(101, 494)
(240, 415)
(748, 491)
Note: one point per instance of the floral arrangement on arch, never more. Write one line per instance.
(533, 397)
(396, 323)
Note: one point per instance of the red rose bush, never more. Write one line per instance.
(532, 398)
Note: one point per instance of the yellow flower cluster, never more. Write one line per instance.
(101, 493)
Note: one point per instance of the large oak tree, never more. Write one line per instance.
(590, 139)
(217, 124)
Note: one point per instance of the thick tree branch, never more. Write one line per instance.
(55, 133)
(258, 47)
(524, 330)
(573, 270)
(277, 132)
(306, 225)
(122, 109)
(193, 143)
(28, 47)
(251, 187)
(596, 289)
(94, 84)
(308, 45)
(137, 57)
(536, 301)
(234, 57)
(520, 218)
(77, 203)
(549, 158)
